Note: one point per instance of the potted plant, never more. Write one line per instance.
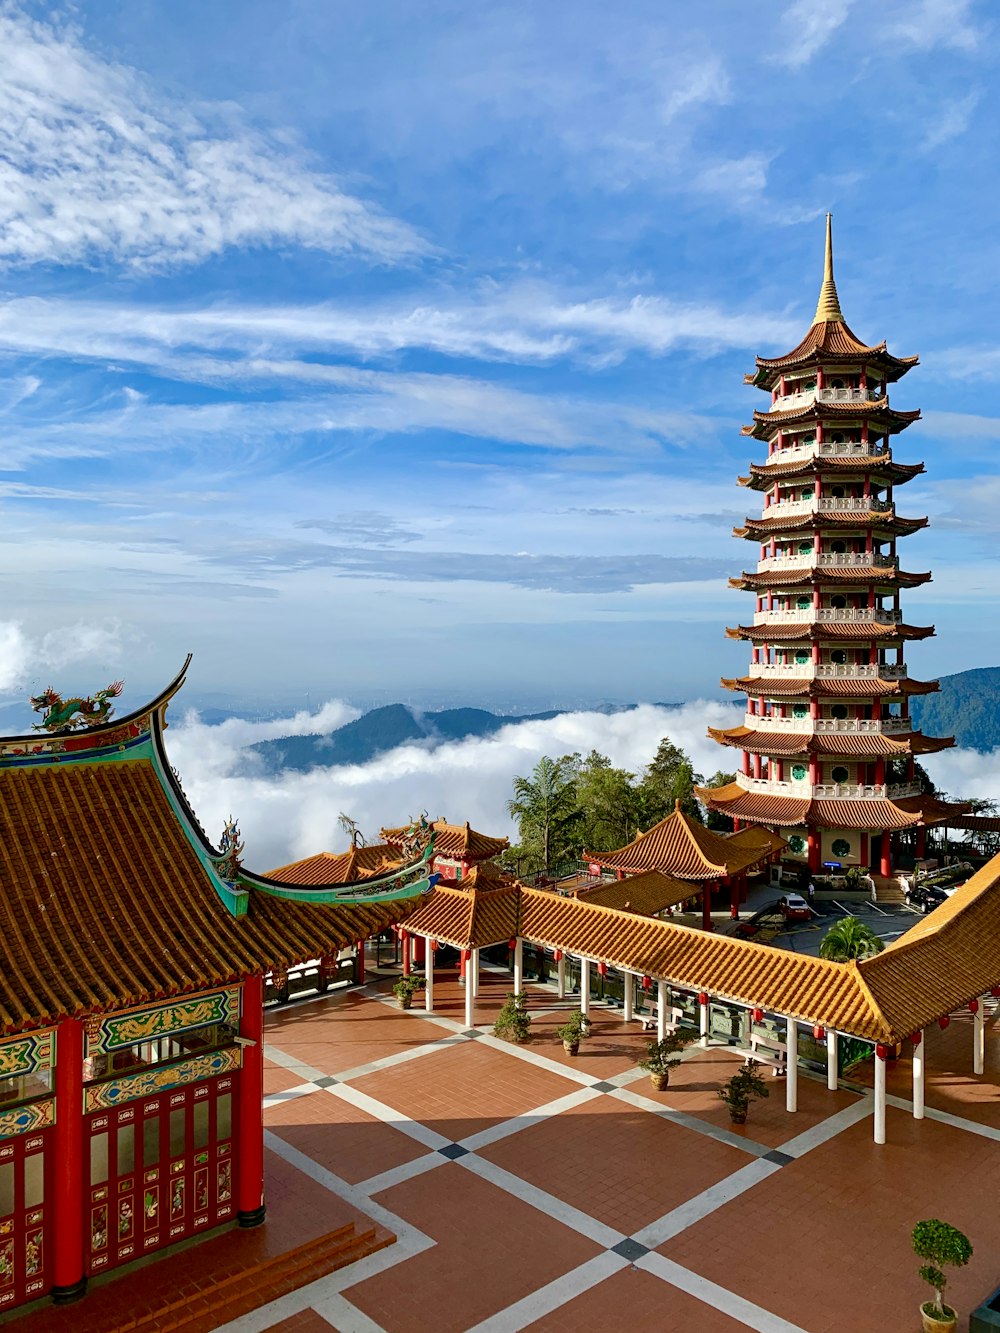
(662, 1056)
(576, 1027)
(939, 1244)
(404, 989)
(744, 1086)
(513, 1022)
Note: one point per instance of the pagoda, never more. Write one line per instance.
(827, 747)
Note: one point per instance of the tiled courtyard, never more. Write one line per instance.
(531, 1190)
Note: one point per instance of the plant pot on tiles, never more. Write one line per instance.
(513, 1022)
(745, 1086)
(662, 1056)
(404, 990)
(573, 1031)
(939, 1244)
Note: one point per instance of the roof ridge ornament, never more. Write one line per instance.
(77, 713)
(828, 309)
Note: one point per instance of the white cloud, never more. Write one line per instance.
(22, 656)
(925, 24)
(805, 28)
(953, 120)
(96, 165)
(966, 774)
(295, 814)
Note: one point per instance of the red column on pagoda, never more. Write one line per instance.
(69, 1282)
(251, 1210)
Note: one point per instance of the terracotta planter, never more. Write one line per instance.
(571, 1047)
(406, 1001)
(660, 1081)
(737, 1117)
(933, 1324)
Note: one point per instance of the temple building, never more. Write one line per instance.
(827, 749)
(132, 962)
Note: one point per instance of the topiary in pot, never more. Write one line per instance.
(745, 1085)
(662, 1056)
(939, 1244)
(513, 1022)
(572, 1032)
(404, 989)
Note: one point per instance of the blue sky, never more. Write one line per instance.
(395, 351)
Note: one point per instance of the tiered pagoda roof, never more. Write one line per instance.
(456, 841)
(887, 420)
(840, 687)
(867, 744)
(887, 575)
(827, 629)
(877, 465)
(339, 867)
(884, 522)
(681, 847)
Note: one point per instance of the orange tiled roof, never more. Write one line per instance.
(882, 520)
(878, 411)
(457, 841)
(823, 574)
(832, 340)
(763, 475)
(681, 847)
(862, 744)
(467, 919)
(339, 867)
(827, 629)
(877, 814)
(788, 687)
(645, 894)
(104, 902)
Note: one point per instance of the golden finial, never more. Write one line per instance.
(828, 309)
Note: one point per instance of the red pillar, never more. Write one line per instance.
(463, 958)
(69, 1282)
(863, 859)
(359, 970)
(250, 1102)
(886, 866)
(814, 851)
(921, 843)
(404, 940)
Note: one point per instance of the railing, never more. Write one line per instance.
(794, 453)
(806, 396)
(829, 670)
(768, 787)
(829, 791)
(825, 725)
(827, 504)
(827, 560)
(828, 615)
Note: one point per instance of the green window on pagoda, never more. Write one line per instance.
(803, 603)
(801, 657)
(840, 774)
(796, 844)
(805, 548)
(800, 710)
(808, 493)
(799, 772)
(841, 847)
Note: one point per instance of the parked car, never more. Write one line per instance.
(795, 908)
(925, 899)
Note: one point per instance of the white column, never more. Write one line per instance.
(428, 976)
(585, 985)
(518, 965)
(412, 946)
(561, 977)
(470, 991)
(661, 1010)
(628, 995)
(746, 1022)
(879, 1099)
(791, 1065)
(831, 1060)
(918, 1077)
(979, 1037)
(703, 1023)
(472, 972)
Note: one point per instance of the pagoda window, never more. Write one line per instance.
(800, 710)
(802, 656)
(803, 603)
(807, 493)
(837, 437)
(838, 711)
(838, 601)
(799, 772)
(837, 384)
(808, 385)
(837, 492)
(840, 774)
(838, 547)
(160, 1051)
(838, 656)
(840, 848)
(805, 548)
(23, 1087)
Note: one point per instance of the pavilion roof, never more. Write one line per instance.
(645, 894)
(339, 867)
(881, 464)
(467, 919)
(792, 631)
(881, 520)
(876, 410)
(876, 814)
(681, 847)
(862, 575)
(759, 740)
(455, 840)
(847, 687)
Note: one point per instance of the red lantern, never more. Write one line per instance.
(512, 943)
(647, 983)
(602, 969)
(434, 946)
(943, 1022)
(916, 1039)
(558, 955)
(881, 1051)
(819, 1032)
(758, 1015)
(995, 991)
(973, 1006)
(703, 998)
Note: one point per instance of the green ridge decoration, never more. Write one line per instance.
(25, 1055)
(116, 1091)
(74, 714)
(120, 1030)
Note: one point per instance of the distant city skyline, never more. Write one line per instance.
(388, 354)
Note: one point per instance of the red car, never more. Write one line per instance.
(794, 908)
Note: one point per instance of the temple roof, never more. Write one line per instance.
(829, 338)
(877, 814)
(887, 419)
(681, 847)
(790, 687)
(819, 575)
(467, 919)
(457, 841)
(339, 867)
(859, 744)
(827, 629)
(766, 474)
(645, 894)
(881, 520)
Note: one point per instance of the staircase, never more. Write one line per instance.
(888, 891)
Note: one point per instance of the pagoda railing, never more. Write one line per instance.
(805, 396)
(850, 726)
(827, 504)
(828, 560)
(829, 670)
(794, 453)
(829, 791)
(828, 615)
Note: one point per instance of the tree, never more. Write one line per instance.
(719, 823)
(545, 808)
(939, 1244)
(668, 779)
(610, 805)
(850, 938)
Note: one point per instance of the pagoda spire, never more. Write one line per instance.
(828, 309)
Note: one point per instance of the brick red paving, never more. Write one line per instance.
(306, 1321)
(637, 1301)
(340, 1137)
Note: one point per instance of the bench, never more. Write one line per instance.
(649, 1020)
(769, 1051)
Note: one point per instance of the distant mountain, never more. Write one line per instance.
(380, 730)
(968, 708)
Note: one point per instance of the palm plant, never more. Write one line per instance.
(850, 938)
(544, 805)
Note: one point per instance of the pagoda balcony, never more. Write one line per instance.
(794, 453)
(821, 726)
(836, 615)
(827, 560)
(828, 670)
(829, 791)
(827, 504)
(806, 396)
